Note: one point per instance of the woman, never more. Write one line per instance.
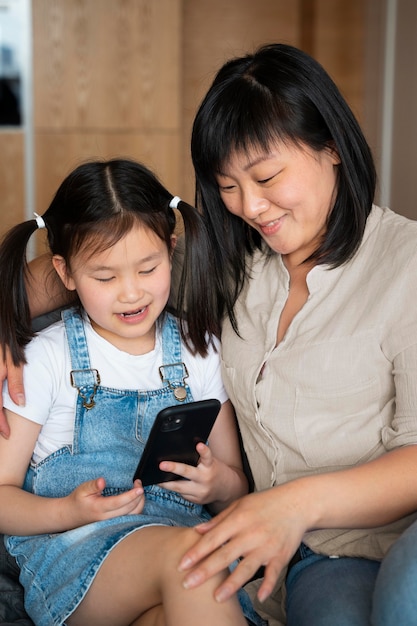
(319, 342)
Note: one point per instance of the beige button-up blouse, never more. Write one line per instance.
(341, 387)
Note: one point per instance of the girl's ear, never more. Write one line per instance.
(174, 240)
(61, 269)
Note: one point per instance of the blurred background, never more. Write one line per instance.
(81, 79)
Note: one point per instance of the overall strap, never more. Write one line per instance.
(85, 379)
(173, 371)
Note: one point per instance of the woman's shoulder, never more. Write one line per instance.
(386, 218)
(394, 233)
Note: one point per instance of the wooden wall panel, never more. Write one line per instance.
(12, 182)
(112, 64)
(339, 44)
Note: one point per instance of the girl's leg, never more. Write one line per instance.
(138, 584)
(395, 597)
(325, 591)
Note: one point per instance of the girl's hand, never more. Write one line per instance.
(87, 504)
(211, 482)
(261, 529)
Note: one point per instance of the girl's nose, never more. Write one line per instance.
(131, 291)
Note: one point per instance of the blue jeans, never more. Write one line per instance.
(323, 591)
(395, 596)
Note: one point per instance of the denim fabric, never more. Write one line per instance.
(395, 595)
(111, 428)
(326, 591)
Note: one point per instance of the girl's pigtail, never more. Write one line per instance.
(15, 319)
(196, 292)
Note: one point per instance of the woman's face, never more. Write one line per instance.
(285, 194)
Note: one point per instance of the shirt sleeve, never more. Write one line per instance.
(403, 429)
(41, 380)
(205, 379)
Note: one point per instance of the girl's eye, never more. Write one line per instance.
(105, 280)
(146, 272)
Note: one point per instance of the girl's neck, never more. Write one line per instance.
(132, 345)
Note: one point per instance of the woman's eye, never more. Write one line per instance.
(266, 180)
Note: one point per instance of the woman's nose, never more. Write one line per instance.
(253, 204)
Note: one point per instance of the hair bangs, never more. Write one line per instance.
(96, 237)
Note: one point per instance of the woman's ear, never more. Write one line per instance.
(333, 153)
(61, 269)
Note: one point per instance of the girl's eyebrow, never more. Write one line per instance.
(151, 257)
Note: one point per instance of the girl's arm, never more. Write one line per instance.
(225, 447)
(23, 513)
(218, 478)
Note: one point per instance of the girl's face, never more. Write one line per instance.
(123, 289)
(285, 194)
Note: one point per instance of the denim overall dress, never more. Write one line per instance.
(110, 431)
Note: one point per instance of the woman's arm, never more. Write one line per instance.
(14, 375)
(45, 289)
(267, 527)
(46, 293)
(23, 513)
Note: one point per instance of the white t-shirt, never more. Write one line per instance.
(51, 400)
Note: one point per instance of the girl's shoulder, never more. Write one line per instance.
(52, 335)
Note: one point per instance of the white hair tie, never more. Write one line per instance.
(175, 202)
(39, 221)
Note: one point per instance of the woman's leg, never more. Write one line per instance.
(324, 591)
(139, 584)
(395, 597)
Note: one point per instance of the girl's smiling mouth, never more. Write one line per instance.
(133, 314)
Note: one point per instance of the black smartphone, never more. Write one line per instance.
(174, 436)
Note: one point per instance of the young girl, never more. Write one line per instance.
(94, 383)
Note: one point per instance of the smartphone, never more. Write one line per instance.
(174, 436)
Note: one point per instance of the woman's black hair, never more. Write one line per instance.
(96, 205)
(279, 93)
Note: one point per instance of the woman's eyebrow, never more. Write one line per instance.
(252, 162)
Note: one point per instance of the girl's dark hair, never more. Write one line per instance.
(279, 93)
(96, 205)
